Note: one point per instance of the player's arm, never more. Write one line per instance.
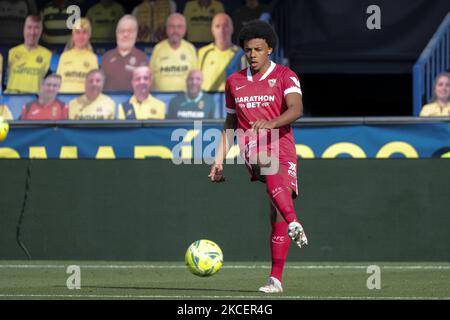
(226, 141)
(294, 111)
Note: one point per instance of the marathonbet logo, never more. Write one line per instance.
(253, 102)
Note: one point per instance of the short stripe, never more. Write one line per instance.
(293, 90)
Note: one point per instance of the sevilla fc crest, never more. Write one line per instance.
(272, 82)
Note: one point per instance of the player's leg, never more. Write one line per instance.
(281, 196)
(281, 187)
(279, 248)
(279, 243)
(277, 185)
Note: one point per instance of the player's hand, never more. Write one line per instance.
(262, 124)
(216, 173)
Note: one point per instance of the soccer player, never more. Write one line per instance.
(46, 106)
(264, 100)
(172, 59)
(142, 105)
(29, 62)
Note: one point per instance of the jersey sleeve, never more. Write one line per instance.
(291, 83)
(230, 105)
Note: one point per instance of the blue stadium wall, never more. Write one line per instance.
(151, 210)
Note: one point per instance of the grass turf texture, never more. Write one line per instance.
(170, 281)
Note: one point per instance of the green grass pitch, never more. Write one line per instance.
(172, 281)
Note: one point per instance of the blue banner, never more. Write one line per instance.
(421, 140)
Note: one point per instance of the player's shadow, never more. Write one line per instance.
(168, 289)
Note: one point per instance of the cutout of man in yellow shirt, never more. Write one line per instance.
(142, 105)
(93, 105)
(29, 62)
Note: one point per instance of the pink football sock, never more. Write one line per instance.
(279, 247)
(281, 197)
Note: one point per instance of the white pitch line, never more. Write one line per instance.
(264, 297)
(54, 266)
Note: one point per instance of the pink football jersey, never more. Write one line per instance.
(256, 97)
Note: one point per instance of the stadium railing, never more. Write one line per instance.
(304, 122)
(434, 59)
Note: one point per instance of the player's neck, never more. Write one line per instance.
(263, 69)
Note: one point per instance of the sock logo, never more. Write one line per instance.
(278, 239)
(276, 191)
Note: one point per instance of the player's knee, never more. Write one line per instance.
(279, 193)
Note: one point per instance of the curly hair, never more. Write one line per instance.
(257, 29)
